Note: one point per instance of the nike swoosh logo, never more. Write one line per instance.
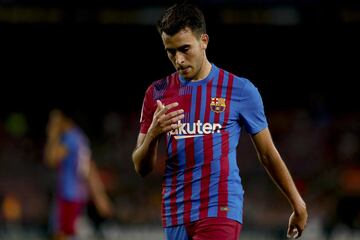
(187, 136)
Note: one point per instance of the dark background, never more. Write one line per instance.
(84, 57)
(97, 59)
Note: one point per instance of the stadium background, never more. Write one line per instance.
(98, 58)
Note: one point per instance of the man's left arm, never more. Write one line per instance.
(276, 168)
(98, 192)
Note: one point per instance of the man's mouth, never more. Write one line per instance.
(184, 70)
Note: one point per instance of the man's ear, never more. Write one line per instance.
(204, 38)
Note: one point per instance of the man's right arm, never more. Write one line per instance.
(144, 155)
(54, 151)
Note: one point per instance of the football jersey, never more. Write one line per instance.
(72, 170)
(201, 176)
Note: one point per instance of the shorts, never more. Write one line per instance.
(67, 212)
(205, 229)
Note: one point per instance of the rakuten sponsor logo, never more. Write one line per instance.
(196, 129)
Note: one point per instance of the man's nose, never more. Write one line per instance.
(179, 58)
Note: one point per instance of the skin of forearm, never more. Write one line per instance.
(94, 181)
(144, 156)
(279, 173)
(51, 152)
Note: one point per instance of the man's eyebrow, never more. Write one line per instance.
(184, 46)
(179, 48)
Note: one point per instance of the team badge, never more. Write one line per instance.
(217, 105)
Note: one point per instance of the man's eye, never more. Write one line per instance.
(171, 52)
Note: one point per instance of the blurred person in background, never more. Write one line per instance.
(201, 109)
(67, 149)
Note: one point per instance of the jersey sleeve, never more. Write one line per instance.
(147, 111)
(69, 141)
(252, 114)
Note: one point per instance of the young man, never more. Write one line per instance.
(201, 109)
(67, 149)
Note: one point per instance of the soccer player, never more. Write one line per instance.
(67, 149)
(201, 109)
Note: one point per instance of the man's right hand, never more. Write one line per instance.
(165, 120)
(53, 128)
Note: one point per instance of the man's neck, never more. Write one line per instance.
(205, 71)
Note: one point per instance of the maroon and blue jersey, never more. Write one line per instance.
(73, 169)
(201, 176)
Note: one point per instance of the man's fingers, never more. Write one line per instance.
(293, 232)
(290, 231)
(160, 106)
(166, 108)
(170, 115)
(164, 121)
(170, 120)
(172, 127)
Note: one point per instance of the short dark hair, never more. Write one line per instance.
(180, 16)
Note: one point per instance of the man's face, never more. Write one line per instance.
(186, 51)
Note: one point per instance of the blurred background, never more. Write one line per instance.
(97, 58)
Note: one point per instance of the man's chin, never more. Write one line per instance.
(186, 76)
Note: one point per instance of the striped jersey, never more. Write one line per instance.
(73, 169)
(201, 176)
